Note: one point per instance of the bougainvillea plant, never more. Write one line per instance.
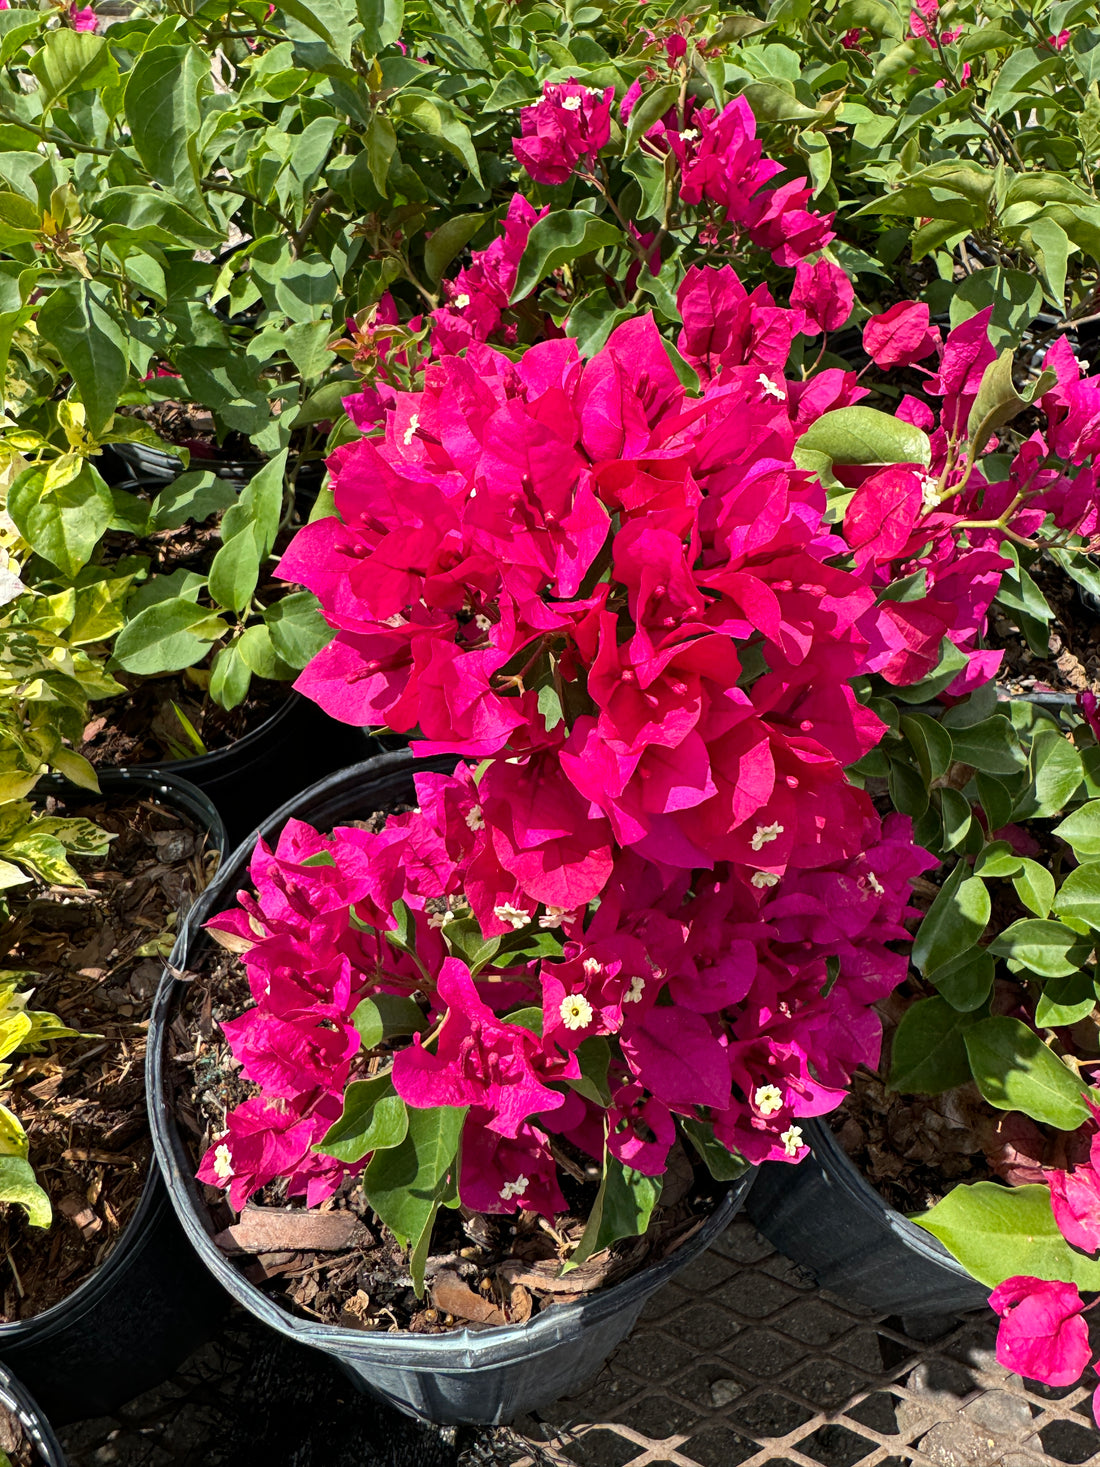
(414, 1028)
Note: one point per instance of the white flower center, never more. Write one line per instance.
(223, 1163)
(571, 104)
(764, 834)
(552, 917)
(771, 389)
(875, 884)
(591, 968)
(475, 818)
(689, 134)
(512, 915)
(460, 302)
(635, 991)
(482, 622)
(410, 431)
(762, 879)
(792, 1140)
(929, 491)
(768, 1099)
(576, 1011)
(514, 1189)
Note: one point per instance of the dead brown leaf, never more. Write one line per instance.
(268, 1230)
(451, 1296)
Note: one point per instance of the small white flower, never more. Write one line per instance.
(771, 389)
(460, 302)
(410, 431)
(571, 104)
(223, 1163)
(689, 134)
(475, 818)
(635, 991)
(929, 491)
(576, 1011)
(875, 884)
(514, 1189)
(514, 916)
(762, 879)
(764, 834)
(792, 1140)
(553, 917)
(768, 1099)
(482, 622)
(592, 968)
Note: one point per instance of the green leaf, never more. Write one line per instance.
(622, 1209)
(306, 344)
(1015, 1070)
(862, 435)
(259, 654)
(381, 145)
(1048, 948)
(230, 677)
(441, 121)
(91, 344)
(73, 61)
(998, 400)
(1066, 1000)
(931, 743)
(997, 1232)
(446, 241)
(1081, 830)
(557, 239)
(403, 1182)
(1080, 895)
(956, 815)
(167, 637)
(297, 627)
(235, 570)
(967, 980)
(996, 801)
(191, 497)
(163, 114)
(1035, 887)
(875, 16)
(1052, 244)
(992, 746)
(772, 102)
(723, 1165)
(17, 1184)
(374, 1118)
(929, 1052)
(649, 108)
(1056, 772)
(954, 922)
(381, 21)
(1016, 298)
(385, 1015)
(594, 1057)
(260, 503)
(65, 523)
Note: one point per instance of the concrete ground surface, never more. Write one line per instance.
(741, 1361)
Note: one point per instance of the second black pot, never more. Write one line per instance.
(151, 1302)
(823, 1215)
(17, 1399)
(477, 1377)
(298, 745)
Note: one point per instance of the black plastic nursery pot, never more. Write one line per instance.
(150, 1303)
(296, 746)
(17, 1399)
(473, 1377)
(823, 1215)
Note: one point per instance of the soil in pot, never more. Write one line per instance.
(1073, 663)
(145, 727)
(339, 1265)
(97, 956)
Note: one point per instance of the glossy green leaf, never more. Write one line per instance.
(18, 1185)
(65, 523)
(163, 115)
(931, 743)
(966, 981)
(723, 1165)
(445, 243)
(167, 637)
(402, 1183)
(929, 1050)
(954, 922)
(1081, 830)
(192, 497)
(1066, 1000)
(991, 746)
(863, 435)
(235, 571)
(622, 1209)
(374, 1118)
(90, 341)
(1079, 895)
(1035, 887)
(384, 1015)
(558, 239)
(1015, 1070)
(230, 677)
(998, 1232)
(1048, 948)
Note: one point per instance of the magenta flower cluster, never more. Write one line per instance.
(708, 999)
